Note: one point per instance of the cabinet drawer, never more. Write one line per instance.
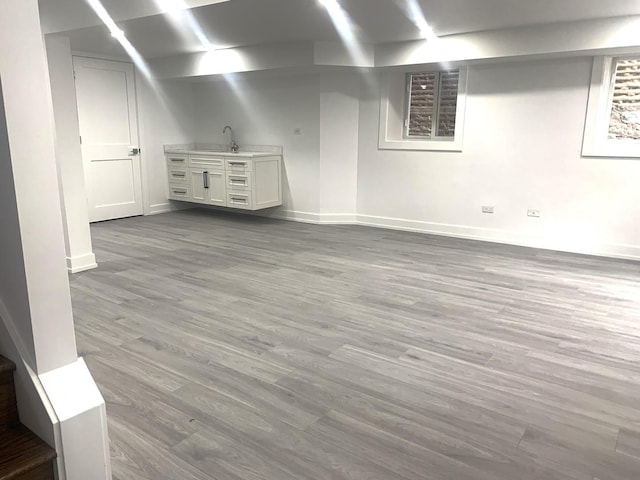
(239, 200)
(239, 165)
(239, 181)
(177, 160)
(206, 162)
(179, 192)
(178, 175)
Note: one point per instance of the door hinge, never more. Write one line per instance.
(80, 139)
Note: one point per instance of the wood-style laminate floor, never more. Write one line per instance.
(237, 347)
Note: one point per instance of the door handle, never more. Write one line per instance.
(134, 151)
(205, 177)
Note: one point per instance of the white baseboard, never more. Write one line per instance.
(317, 218)
(169, 207)
(628, 252)
(81, 263)
(160, 208)
(295, 216)
(338, 218)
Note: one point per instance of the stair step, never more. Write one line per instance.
(8, 409)
(6, 365)
(23, 456)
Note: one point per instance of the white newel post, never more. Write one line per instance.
(35, 304)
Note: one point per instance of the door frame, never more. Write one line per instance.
(144, 167)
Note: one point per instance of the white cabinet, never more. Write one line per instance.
(249, 181)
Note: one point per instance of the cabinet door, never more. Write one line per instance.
(197, 179)
(217, 190)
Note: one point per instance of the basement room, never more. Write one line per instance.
(319, 240)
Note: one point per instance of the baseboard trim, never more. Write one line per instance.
(160, 208)
(622, 251)
(338, 218)
(507, 237)
(81, 263)
(317, 218)
(168, 207)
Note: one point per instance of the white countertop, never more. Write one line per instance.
(222, 154)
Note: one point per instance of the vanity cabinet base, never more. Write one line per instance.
(244, 181)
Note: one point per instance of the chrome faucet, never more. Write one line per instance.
(233, 146)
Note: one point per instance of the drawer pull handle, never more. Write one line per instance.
(177, 160)
(239, 200)
(179, 192)
(178, 174)
(238, 164)
(238, 181)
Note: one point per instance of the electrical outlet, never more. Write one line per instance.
(533, 213)
(487, 209)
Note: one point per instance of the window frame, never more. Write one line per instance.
(596, 141)
(394, 103)
(437, 102)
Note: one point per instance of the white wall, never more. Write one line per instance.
(165, 116)
(321, 162)
(266, 110)
(522, 145)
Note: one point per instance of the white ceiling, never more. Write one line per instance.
(248, 22)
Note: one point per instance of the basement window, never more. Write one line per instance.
(423, 110)
(612, 127)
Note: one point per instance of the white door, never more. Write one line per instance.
(108, 118)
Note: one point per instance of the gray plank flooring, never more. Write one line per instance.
(239, 347)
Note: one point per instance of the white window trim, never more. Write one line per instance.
(393, 112)
(595, 142)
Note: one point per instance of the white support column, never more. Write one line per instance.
(339, 120)
(75, 212)
(34, 287)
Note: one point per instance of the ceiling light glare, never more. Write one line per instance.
(416, 15)
(329, 3)
(173, 8)
(427, 32)
(117, 33)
